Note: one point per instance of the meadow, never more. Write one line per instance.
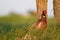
(15, 27)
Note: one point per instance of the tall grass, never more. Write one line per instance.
(15, 27)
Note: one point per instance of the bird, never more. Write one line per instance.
(41, 23)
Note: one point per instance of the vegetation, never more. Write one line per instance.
(15, 27)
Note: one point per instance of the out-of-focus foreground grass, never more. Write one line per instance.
(15, 27)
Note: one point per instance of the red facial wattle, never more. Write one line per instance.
(44, 11)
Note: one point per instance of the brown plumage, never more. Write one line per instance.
(41, 23)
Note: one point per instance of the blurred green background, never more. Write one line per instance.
(15, 27)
